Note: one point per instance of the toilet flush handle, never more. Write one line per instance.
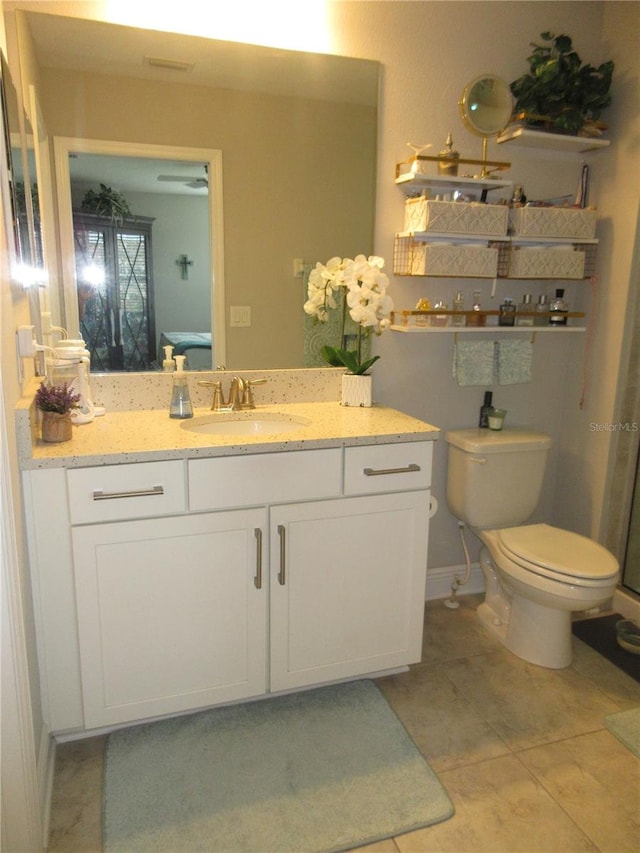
(479, 460)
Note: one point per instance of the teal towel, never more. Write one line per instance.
(514, 362)
(473, 362)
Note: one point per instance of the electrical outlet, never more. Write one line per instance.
(26, 342)
(240, 316)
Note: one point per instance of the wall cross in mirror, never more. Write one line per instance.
(184, 263)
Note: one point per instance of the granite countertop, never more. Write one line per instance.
(121, 437)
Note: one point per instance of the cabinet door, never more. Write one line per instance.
(347, 586)
(171, 614)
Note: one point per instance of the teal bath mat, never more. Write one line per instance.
(625, 725)
(321, 770)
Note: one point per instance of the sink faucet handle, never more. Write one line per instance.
(247, 400)
(218, 400)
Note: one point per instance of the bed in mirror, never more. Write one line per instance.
(297, 134)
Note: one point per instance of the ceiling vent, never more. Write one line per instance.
(171, 64)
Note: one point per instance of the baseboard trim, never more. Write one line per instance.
(627, 604)
(46, 768)
(440, 581)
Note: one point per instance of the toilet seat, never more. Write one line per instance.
(557, 554)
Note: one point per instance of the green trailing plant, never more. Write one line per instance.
(560, 93)
(108, 202)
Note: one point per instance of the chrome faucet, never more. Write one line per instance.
(240, 394)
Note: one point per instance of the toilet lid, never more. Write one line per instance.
(558, 551)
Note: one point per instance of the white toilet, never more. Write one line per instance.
(535, 574)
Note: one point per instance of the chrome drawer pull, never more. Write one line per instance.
(258, 577)
(373, 472)
(99, 495)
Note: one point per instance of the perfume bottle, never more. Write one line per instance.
(558, 309)
(525, 311)
(458, 319)
(507, 313)
(542, 310)
(477, 318)
(440, 319)
(423, 305)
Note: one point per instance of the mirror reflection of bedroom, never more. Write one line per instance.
(142, 259)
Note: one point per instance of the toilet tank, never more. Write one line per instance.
(494, 477)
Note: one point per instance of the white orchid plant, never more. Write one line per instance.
(359, 285)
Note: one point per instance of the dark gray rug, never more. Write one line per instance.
(600, 634)
(321, 770)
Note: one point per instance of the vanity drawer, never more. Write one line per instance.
(387, 467)
(117, 492)
(264, 478)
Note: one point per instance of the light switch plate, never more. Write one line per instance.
(240, 316)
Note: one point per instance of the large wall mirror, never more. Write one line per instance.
(296, 136)
(143, 241)
(20, 198)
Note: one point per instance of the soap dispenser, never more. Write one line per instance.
(180, 400)
(168, 365)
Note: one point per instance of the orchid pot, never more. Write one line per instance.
(357, 390)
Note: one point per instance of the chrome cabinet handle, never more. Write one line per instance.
(282, 572)
(99, 495)
(374, 472)
(258, 578)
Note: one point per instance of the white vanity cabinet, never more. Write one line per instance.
(347, 587)
(162, 587)
(171, 614)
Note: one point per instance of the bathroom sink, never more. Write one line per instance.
(245, 423)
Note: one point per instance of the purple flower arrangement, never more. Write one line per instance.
(56, 398)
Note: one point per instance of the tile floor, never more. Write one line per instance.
(522, 751)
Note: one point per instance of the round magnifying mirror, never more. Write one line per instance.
(485, 107)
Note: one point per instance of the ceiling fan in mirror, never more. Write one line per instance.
(189, 180)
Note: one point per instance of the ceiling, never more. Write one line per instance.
(137, 174)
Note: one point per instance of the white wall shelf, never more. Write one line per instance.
(487, 330)
(513, 239)
(540, 139)
(414, 184)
